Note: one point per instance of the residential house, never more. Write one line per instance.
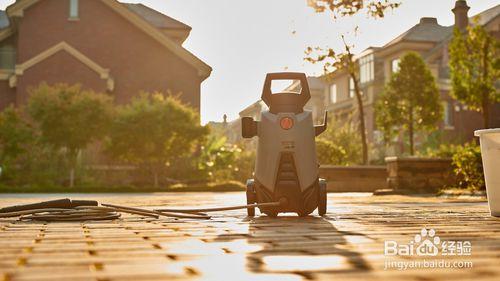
(376, 64)
(104, 45)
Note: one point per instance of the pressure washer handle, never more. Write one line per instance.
(286, 102)
(59, 203)
(287, 76)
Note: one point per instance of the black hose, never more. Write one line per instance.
(83, 210)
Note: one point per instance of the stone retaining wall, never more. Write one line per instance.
(419, 174)
(354, 178)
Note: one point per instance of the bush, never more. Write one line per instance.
(16, 135)
(442, 151)
(220, 161)
(344, 142)
(244, 165)
(330, 154)
(469, 167)
(213, 187)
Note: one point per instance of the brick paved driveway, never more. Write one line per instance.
(348, 244)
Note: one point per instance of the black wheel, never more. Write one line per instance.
(302, 215)
(272, 214)
(251, 197)
(322, 197)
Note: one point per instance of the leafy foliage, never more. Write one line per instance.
(444, 150)
(217, 158)
(42, 167)
(329, 153)
(15, 134)
(333, 61)
(153, 131)
(469, 166)
(475, 68)
(410, 101)
(69, 118)
(337, 61)
(221, 161)
(373, 8)
(339, 145)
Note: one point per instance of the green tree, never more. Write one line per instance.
(410, 101)
(69, 118)
(475, 68)
(153, 131)
(15, 135)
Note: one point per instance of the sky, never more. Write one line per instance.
(242, 40)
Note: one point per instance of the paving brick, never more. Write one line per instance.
(347, 244)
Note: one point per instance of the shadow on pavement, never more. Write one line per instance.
(299, 245)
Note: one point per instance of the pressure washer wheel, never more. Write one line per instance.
(322, 197)
(251, 197)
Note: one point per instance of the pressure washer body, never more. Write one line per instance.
(286, 168)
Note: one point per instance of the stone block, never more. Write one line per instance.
(424, 175)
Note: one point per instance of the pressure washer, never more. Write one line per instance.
(286, 168)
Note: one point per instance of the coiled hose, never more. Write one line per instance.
(85, 210)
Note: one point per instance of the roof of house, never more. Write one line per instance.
(156, 18)
(4, 20)
(146, 19)
(488, 15)
(152, 16)
(427, 30)
(483, 18)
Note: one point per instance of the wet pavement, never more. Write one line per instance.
(460, 241)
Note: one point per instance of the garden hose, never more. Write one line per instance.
(82, 214)
(217, 209)
(84, 210)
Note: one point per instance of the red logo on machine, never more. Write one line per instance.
(286, 123)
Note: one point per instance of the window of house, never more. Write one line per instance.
(333, 93)
(447, 114)
(395, 65)
(352, 91)
(366, 69)
(73, 9)
(7, 57)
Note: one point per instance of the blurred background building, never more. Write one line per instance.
(106, 46)
(335, 92)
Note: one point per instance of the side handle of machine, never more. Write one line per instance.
(321, 128)
(249, 127)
